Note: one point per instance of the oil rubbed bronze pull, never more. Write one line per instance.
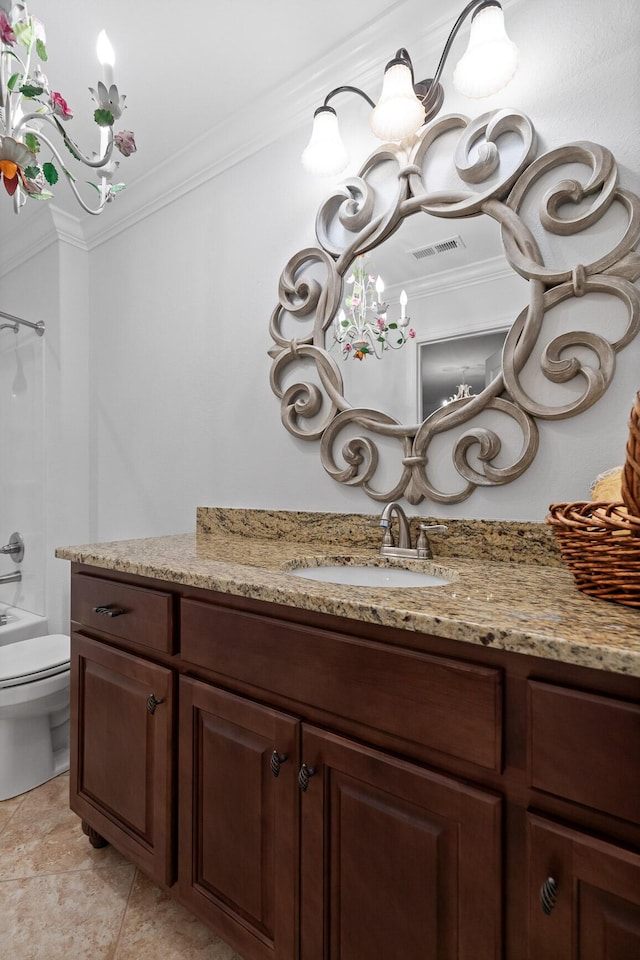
(152, 703)
(107, 611)
(548, 895)
(276, 761)
(304, 776)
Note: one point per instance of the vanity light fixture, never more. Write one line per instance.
(405, 106)
(32, 110)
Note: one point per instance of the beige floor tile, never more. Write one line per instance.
(43, 836)
(7, 810)
(71, 916)
(156, 926)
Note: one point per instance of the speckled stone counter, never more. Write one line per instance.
(509, 588)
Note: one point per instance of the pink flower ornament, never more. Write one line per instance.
(59, 106)
(125, 142)
(6, 30)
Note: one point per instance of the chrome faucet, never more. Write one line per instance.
(422, 550)
(389, 548)
(14, 577)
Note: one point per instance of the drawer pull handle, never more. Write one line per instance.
(106, 611)
(304, 776)
(152, 703)
(548, 895)
(276, 761)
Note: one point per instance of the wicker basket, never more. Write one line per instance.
(599, 541)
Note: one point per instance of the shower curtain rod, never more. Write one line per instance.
(17, 321)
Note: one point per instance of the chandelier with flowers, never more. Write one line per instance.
(31, 111)
(364, 329)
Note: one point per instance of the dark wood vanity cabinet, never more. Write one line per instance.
(369, 839)
(122, 751)
(238, 822)
(396, 860)
(591, 894)
(334, 790)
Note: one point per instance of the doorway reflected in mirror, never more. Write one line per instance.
(447, 364)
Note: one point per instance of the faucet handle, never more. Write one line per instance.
(14, 548)
(434, 527)
(387, 537)
(423, 547)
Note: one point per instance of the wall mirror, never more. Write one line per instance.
(537, 266)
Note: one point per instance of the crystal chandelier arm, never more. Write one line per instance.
(470, 8)
(95, 212)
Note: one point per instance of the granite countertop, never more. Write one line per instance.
(530, 607)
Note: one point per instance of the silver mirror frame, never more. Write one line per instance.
(303, 297)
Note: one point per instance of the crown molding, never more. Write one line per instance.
(37, 231)
(483, 271)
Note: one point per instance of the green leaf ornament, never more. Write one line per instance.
(30, 90)
(104, 118)
(50, 173)
(32, 143)
(23, 31)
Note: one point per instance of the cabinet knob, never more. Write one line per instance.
(304, 776)
(548, 895)
(108, 611)
(276, 761)
(152, 703)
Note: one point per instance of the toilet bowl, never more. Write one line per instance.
(34, 712)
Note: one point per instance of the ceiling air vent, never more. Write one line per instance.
(442, 246)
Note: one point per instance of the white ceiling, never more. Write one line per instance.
(186, 68)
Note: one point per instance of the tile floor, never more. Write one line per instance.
(62, 900)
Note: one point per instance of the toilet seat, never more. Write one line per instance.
(34, 659)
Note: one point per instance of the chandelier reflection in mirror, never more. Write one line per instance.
(464, 391)
(366, 330)
(554, 365)
(31, 111)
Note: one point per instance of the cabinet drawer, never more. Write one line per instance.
(140, 615)
(585, 748)
(445, 705)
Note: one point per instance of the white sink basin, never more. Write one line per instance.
(363, 576)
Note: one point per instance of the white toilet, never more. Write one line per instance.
(34, 712)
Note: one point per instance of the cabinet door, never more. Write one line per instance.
(397, 861)
(238, 821)
(121, 752)
(594, 911)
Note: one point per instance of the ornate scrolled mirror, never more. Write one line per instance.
(568, 233)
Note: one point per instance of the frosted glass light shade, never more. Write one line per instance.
(398, 113)
(325, 155)
(491, 59)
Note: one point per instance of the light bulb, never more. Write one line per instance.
(403, 305)
(325, 154)
(105, 50)
(398, 113)
(106, 58)
(379, 288)
(491, 59)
